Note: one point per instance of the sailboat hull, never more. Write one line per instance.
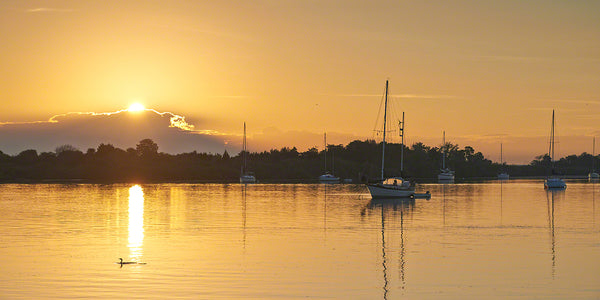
(385, 191)
(328, 178)
(503, 176)
(247, 179)
(446, 177)
(555, 183)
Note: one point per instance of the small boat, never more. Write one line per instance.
(248, 177)
(553, 182)
(503, 175)
(446, 175)
(593, 175)
(328, 177)
(394, 187)
(245, 176)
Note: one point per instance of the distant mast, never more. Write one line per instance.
(551, 147)
(325, 146)
(444, 150)
(593, 153)
(401, 129)
(244, 151)
(384, 124)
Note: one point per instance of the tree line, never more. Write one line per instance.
(358, 160)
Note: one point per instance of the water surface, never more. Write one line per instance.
(227, 241)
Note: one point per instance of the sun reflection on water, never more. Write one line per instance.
(136, 221)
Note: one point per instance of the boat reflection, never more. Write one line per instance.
(136, 222)
(401, 206)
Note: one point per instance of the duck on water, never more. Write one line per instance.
(121, 262)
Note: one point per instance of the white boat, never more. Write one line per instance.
(245, 176)
(394, 187)
(553, 182)
(248, 178)
(593, 175)
(328, 177)
(503, 175)
(446, 175)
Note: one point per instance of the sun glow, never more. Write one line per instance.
(136, 107)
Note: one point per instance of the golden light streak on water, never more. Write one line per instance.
(136, 222)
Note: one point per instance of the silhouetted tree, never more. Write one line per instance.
(65, 147)
(146, 148)
(359, 160)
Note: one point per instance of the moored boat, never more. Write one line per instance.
(394, 187)
(553, 181)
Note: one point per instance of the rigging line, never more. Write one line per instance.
(375, 131)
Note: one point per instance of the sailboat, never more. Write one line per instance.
(593, 175)
(245, 176)
(503, 175)
(327, 177)
(446, 175)
(394, 187)
(553, 182)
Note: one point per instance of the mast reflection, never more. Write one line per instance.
(244, 217)
(550, 205)
(401, 206)
(136, 221)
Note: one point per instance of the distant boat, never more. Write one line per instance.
(446, 175)
(503, 175)
(328, 177)
(553, 182)
(245, 176)
(394, 187)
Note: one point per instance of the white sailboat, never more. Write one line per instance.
(593, 175)
(553, 182)
(446, 175)
(245, 176)
(394, 187)
(503, 175)
(327, 177)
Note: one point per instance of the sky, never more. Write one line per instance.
(485, 72)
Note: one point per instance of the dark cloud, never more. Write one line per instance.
(123, 129)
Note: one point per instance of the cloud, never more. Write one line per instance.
(47, 9)
(408, 96)
(122, 128)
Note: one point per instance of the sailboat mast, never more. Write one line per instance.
(593, 153)
(325, 145)
(244, 150)
(444, 152)
(551, 150)
(402, 144)
(501, 153)
(384, 129)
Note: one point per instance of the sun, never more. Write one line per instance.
(136, 107)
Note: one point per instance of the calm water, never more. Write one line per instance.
(211, 241)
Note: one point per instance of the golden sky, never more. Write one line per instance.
(484, 71)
